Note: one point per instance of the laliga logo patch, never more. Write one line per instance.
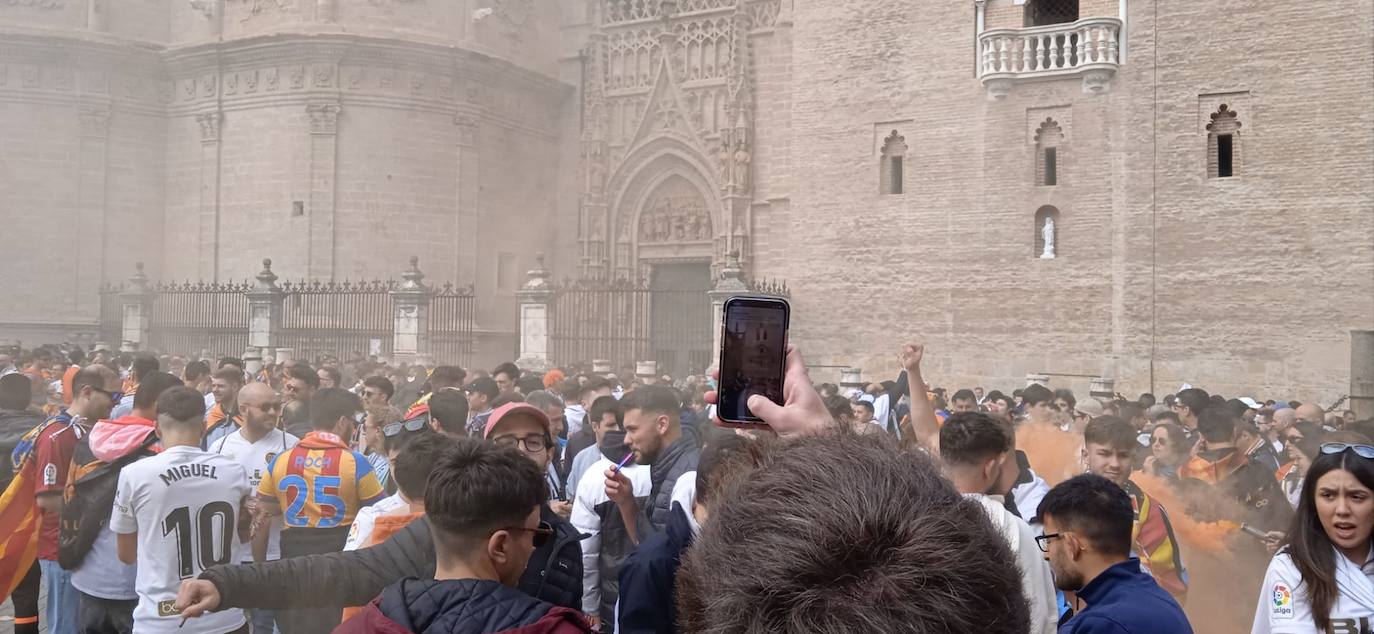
(50, 475)
(270, 455)
(1282, 607)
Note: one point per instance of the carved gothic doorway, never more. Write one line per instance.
(680, 323)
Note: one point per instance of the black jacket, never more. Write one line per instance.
(463, 605)
(649, 577)
(14, 423)
(554, 573)
(676, 459)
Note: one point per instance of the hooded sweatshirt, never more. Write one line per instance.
(464, 606)
(100, 573)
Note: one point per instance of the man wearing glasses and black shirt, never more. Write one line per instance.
(484, 504)
(553, 574)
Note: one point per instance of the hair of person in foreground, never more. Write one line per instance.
(841, 532)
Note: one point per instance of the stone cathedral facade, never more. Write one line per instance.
(1154, 191)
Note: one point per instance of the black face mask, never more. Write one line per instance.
(613, 446)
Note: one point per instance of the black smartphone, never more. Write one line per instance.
(753, 351)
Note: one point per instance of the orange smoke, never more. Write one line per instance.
(1054, 454)
(1195, 535)
(1225, 568)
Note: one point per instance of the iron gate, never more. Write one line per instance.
(597, 319)
(452, 313)
(336, 318)
(192, 317)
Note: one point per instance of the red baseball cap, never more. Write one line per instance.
(503, 412)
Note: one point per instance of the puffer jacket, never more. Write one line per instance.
(414, 606)
(554, 572)
(677, 459)
(14, 423)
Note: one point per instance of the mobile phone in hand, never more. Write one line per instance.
(753, 350)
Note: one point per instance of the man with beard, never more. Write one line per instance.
(1087, 540)
(653, 432)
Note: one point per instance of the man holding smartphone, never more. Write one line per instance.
(653, 432)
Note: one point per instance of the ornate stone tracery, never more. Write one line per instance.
(669, 86)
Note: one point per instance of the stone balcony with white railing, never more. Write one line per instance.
(1088, 48)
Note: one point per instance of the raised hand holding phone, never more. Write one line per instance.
(753, 353)
(802, 410)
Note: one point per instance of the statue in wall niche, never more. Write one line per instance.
(724, 163)
(1047, 233)
(741, 176)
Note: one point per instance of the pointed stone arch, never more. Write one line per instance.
(664, 167)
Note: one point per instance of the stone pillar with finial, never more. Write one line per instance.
(410, 302)
(536, 298)
(137, 310)
(729, 284)
(265, 301)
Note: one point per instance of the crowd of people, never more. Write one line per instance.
(162, 493)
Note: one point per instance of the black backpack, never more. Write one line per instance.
(89, 498)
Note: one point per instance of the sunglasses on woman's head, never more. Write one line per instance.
(412, 425)
(1363, 451)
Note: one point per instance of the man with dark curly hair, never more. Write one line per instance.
(841, 532)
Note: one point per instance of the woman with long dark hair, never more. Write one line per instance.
(1316, 583)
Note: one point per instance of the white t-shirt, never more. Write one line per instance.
(1036, 580)
(361, 531)
(255, 458)
(184, 504)
(1284, 609)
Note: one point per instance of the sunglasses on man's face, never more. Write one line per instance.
(1363, 451)
(542, 533)
(1292, 438)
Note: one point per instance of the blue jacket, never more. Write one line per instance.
(649, 576)
(1125, 600)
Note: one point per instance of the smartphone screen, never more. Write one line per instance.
(752, 352)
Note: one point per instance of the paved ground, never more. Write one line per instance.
(7, 614)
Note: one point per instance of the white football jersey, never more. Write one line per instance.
(256, 458)
(185, 505)
(1284, 609)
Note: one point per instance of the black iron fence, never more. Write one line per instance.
(196, 317)
(625, 321)
(452, 312)
(317, 318)
(337, 318)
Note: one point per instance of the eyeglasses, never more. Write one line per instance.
(1043, 541)
(1292, 438)
(1159, 440)
(531, 444)
(1363, 451)
(542, 533)
(266, 407)
(412, 425)
(115, 396)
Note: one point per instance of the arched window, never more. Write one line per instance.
(891, 177)
(1048, 139)
(1043, 12)
(1046, 228)
(1223, 144)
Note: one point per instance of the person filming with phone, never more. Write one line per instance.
(1318, 582)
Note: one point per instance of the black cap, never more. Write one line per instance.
(483, 385)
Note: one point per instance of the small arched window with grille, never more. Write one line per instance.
(1223, 143)
(1049, 139)
(1044, 12)
(891, 169)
